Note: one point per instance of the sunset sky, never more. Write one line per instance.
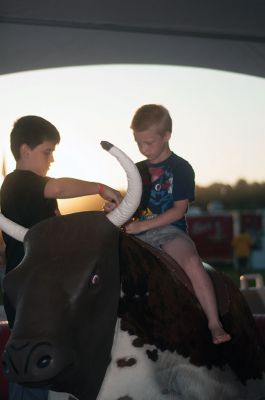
(218, 117)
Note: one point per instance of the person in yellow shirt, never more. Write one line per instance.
(241, 244)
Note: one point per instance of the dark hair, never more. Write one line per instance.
(31, 130)
(152, 115)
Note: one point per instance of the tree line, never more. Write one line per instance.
(241, 196)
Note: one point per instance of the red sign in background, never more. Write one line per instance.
(213, 236)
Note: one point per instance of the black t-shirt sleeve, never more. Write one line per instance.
(184, 181)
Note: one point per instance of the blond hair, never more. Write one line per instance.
(152, 115)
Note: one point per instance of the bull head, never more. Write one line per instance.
(81, 251)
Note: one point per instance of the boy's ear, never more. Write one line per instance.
(167, 135)
(24, 150)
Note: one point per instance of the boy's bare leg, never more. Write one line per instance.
(184, 252)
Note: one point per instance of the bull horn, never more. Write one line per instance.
(12, 229)
(131, 201)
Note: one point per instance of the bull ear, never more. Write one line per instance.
(131, 201)
(12, 229)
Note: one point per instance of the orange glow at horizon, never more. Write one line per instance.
(85, 203)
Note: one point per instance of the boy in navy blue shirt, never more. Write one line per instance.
(168, 182)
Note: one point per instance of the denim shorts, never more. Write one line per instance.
(159, 236)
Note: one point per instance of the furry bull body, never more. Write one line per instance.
(110, 318)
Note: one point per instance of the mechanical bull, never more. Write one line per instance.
(102, 315)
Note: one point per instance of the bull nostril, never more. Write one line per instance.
(44, 361)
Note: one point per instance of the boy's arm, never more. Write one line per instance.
(65, 188)
(173, 214)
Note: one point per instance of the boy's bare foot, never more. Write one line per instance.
(219, 339)
(220, 336)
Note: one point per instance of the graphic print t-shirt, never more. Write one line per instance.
(171, 180)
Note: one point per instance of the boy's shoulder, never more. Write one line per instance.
(18, 174)
(179, 163)
(181, 167)
(21, 178)
(177, 159)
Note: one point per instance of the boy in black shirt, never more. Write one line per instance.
(28, 196)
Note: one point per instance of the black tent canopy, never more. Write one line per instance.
(226, 35)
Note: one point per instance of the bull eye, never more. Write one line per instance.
(95, 279)
(44, 361)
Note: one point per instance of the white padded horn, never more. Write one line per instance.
(131, 201)
(12, 229)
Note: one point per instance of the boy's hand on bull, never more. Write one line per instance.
(135, 227)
